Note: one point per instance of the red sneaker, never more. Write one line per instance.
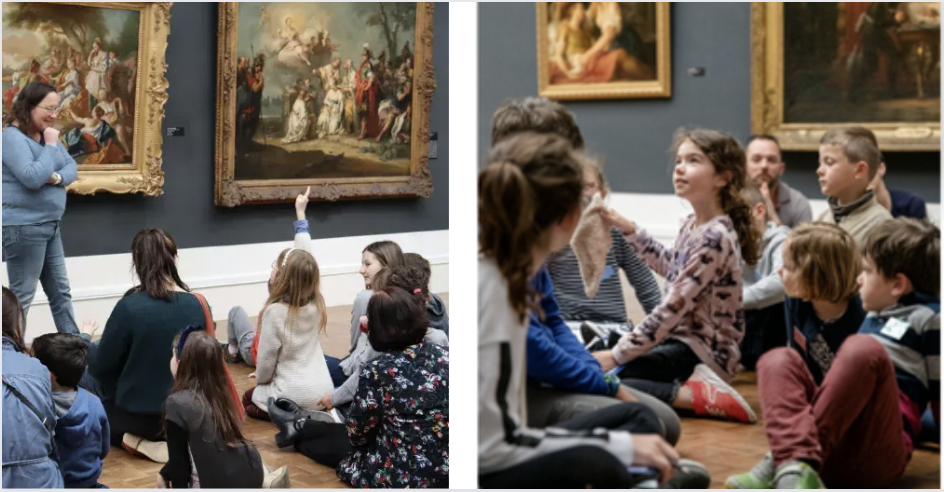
(721, 402)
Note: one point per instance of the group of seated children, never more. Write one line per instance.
(70, 399)
(572, 394)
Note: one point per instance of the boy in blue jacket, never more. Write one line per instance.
(82, 432)
(565, 380)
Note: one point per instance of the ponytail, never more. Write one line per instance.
(739, 211)
(533, 181)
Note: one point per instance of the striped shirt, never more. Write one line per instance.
(608, 306)
(910, 331)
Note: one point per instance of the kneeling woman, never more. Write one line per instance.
(397, 432)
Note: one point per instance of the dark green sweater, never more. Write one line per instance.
(133, 356)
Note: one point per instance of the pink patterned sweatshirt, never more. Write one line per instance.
(702, 297)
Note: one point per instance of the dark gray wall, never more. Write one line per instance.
(105, 224)
(633, 136)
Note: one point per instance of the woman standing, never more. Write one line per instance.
(36, 171)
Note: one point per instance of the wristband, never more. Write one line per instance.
(613, 380)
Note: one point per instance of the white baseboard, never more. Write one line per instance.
(662, 214)
(232, 275)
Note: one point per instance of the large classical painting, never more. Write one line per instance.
(331, 95)
(107, 62)
(597, 50)
(821, 65)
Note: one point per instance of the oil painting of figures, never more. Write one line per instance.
(90, 55)
(323, 90)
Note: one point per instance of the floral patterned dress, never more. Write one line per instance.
(399, 421)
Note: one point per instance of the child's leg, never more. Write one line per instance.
(323, 442)
(634, 418)
(858, 418)
(251, 409)
(786, 390)
(764, 330)
(661, 371)
(240, 334)
(573, 468)
(334, 368)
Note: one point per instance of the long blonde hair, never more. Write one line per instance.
(298, 283)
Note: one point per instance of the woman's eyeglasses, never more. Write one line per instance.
(49, 109)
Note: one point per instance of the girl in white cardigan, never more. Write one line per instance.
(290, 362)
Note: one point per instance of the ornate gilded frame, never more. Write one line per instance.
(144, 174)
(229, 192)
(767, 95)
(661, 87)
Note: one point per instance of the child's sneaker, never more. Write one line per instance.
(760, 477)
(275, 479)
(589, 331)
(797, 475)
(713, 396)
(154, 451)
(229, 356)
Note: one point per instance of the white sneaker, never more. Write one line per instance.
(154, 451)
(277, 479)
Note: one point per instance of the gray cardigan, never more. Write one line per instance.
(762, 285)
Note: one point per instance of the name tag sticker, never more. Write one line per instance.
(608, 272)
(895, 328)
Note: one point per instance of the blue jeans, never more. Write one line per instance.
(334, 368)
(33, 253)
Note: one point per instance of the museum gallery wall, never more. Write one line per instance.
(711, 85)
(106, 222)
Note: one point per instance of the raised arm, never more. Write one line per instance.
(302, 233)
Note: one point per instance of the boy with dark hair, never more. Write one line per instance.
(857, 429)
(82, 431)
(848, 162)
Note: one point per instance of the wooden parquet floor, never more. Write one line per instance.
(725, 448)
(122, 470)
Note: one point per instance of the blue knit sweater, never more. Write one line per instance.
(27, 166)
(555, 356)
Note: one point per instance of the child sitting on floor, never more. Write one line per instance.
(820, 266)
(848, 161)
(857, 428)
(409, 279)
(205, 441)
(82, 432)
(765, 325)
(435, 307)
(290, 362)
(700, 320)
(242, 339)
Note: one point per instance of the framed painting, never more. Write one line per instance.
(335, 96)
(604, 50)
(817, 66)
(107, 63)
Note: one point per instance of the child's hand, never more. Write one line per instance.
(606, 360)
(326, 402)
(301, 202)
(161, 484)
(90, 328)
(612, 218)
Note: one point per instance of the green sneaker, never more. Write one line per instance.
(797, 475)
(760, 477)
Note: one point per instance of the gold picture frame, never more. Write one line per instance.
(659, 86)
(230, 191)
(768, 95)
(143, 174)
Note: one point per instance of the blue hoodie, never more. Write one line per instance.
(555, 356)
(82, 436)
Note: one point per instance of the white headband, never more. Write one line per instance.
(287, 254)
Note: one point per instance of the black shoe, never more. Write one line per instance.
(596, 345)
(689, 475)
(228, 357)
(613, 339)
(285, 421)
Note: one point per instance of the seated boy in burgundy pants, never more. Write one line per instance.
(857, 429)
